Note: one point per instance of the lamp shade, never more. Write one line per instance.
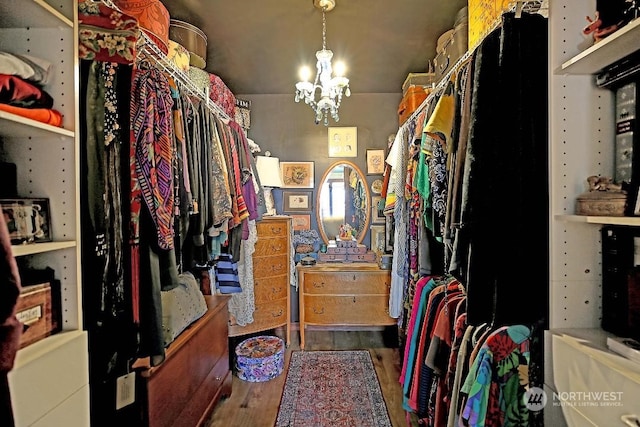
(268, 171)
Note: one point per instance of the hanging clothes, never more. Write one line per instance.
(152, 204)
(498, 379)
(500, 257)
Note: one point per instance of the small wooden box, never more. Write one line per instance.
(34, 310)
(366, 257)
(336, 251)
(601, 203)
(331, 257)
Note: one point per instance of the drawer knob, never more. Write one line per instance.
(354, 277)
(316, 311)
(318, 285)
(218, 378)
(277, 248)
(276, 230)
(354, 300)
(276, 268)
(278, 314)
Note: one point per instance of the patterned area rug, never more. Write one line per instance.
(332, 388)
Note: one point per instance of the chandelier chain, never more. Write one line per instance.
(324, 94)
(324, 29)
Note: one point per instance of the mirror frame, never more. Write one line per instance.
(365, 228)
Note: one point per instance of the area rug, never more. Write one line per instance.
(332, 388)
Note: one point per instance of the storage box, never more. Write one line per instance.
(424, 80)
(192, 38)
(451, 46)
(334, 250)
(34, 310)
(346, 243)
(366, 257)
(482, 15)
(331, 257)
(153, 18)
(360, 249)
(601, 203)
(260, 358)
(411, 101)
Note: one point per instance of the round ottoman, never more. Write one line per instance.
(260, 359)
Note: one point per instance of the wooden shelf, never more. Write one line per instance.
(39, 248)
(610, 220)
(18, 126)
(611, 49)
(32, 13)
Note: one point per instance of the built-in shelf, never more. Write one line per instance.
(43, 15)
(39, 248)
(593, 341)
(38, 349)
(622, 43)
(17, 126)
(613, 220)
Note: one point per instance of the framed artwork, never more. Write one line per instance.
(28, 220)
(375, 162)
(297, 174)
(301, 222)
(376, 217)
(297, 201)
(343, 142)
(378, 244)
(376, 186)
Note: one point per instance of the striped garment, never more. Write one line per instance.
(152, 153)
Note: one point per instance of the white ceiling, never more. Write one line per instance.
(257, 46)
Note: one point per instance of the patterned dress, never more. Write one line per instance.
(497, 380)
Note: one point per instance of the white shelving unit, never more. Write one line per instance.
(49, 382)
(582, 134)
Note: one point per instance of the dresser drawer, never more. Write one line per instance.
(267, 316)
(270, 266)
(270, 289)
(347, 310)
(272, 228)
(347, 282)
(271, 246)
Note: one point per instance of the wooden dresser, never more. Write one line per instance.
(183, 390)
(343, 295)
(271, 264)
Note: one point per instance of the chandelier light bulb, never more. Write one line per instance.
(305, 73)
(324, 94)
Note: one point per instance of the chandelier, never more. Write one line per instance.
(330, 88)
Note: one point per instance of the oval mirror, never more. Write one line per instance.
(343, 198)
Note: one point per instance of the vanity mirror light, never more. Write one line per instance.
(343, 198)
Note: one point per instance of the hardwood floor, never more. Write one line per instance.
(256, 404)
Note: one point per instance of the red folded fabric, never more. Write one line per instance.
(44, 115)
(20, 93)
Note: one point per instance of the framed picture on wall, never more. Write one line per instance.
(301, 222)
(28, 220)
(343, 142)
(375, 162)
(297, 174)
(297, 201)
(378, 243)
(376, 217)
